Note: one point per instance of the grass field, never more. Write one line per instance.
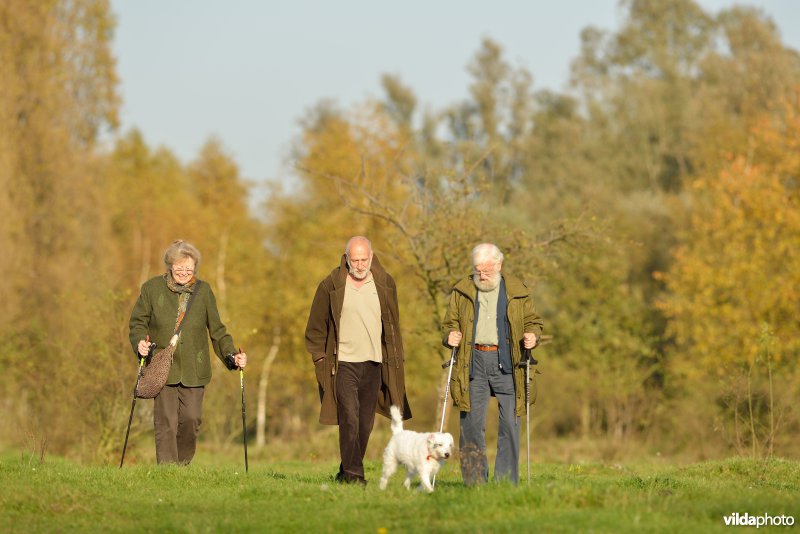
(59, 496)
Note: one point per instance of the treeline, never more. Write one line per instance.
(653, 206)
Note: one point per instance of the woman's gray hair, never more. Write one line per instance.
(486, 252)
(180, 249)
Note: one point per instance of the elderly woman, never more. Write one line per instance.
(158, 312)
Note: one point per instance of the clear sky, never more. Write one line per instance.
(247, 70)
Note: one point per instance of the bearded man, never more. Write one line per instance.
(353, 335)
(490, 319)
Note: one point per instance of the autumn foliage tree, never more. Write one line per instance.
(736, 276)
(57, 95)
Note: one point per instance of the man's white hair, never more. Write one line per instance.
(354, 239)
(486, 252)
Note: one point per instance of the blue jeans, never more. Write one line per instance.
(487, 382)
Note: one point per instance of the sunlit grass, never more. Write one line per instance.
(301, 497)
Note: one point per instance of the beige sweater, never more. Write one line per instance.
(360, 326)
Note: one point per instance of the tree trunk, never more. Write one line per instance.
(261, 413)
(222, 293)
(143, 244)
(586, 418)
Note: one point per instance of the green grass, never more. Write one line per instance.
(60, 496)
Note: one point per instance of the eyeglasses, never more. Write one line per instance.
(485, 271)
(181, 270)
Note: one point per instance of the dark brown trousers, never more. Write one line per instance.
(176, 417)
(357, 386)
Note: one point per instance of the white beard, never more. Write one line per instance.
(489, 285)
(357, 275)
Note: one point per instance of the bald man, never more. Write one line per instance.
(353, 335)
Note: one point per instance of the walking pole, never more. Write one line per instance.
(529, 359)
(449, 365)
(244, 422)
(446, 393)
(150, 348)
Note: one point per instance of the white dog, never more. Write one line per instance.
(419, 453)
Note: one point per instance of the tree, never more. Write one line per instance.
(737, 268)
(58, 93)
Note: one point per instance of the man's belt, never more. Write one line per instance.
(485, 348)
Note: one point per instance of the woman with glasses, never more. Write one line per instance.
(159, 311)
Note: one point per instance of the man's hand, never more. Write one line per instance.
(529, 340)
(240, 360)
(454, 338)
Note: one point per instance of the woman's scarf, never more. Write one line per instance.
(183, 291)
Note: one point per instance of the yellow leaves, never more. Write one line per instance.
(738, 265)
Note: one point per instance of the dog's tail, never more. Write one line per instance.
(397, 420)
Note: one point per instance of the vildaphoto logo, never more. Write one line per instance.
(765, 520)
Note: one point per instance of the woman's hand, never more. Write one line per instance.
(143, 348)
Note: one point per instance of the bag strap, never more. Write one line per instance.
(188, 305)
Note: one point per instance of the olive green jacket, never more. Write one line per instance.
(155, 313)
(322, 341)
(460, 317)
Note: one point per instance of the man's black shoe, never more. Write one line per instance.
(341, 478)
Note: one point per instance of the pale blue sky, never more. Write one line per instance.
(247, 70)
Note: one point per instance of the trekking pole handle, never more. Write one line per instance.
(526, 354)
(230, 359)
(452, 360)
(150, 346)
(528, 357)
